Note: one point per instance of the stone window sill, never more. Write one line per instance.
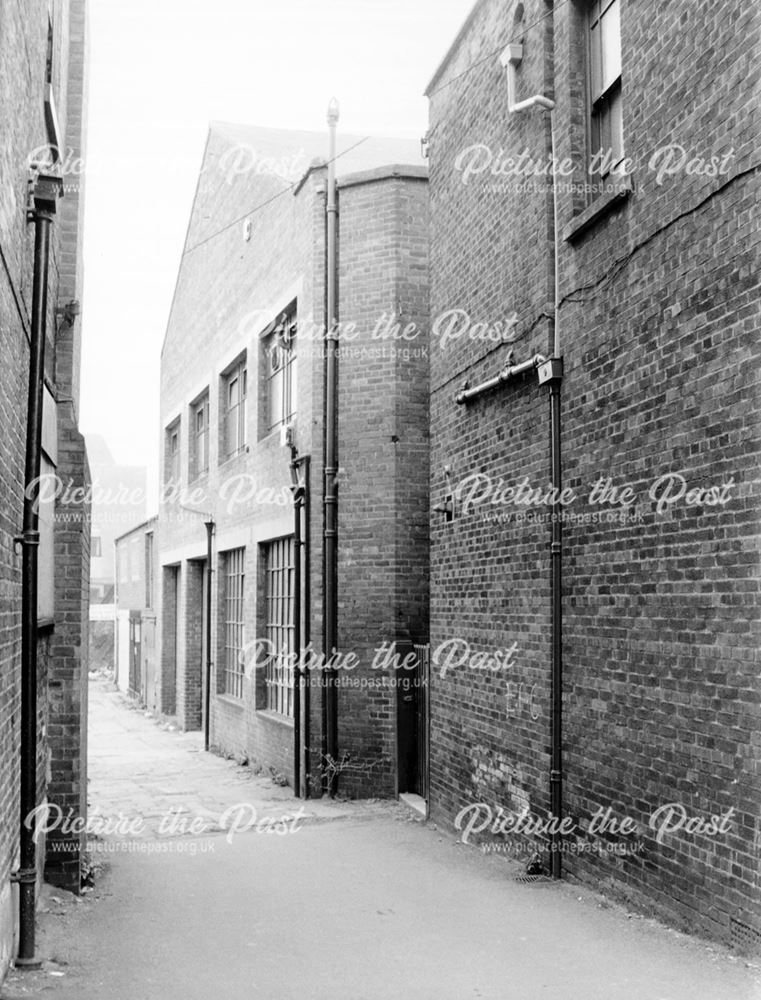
(283, 720)
(227, 699)
(618, 191)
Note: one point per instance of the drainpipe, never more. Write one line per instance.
(330, 547)
(296, 634)
(46, 190)
(207, 676)
(552, 373)
(300, 488)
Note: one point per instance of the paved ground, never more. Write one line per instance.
(359, 902)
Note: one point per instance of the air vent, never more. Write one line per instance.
(744, 937)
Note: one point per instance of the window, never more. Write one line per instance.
(97, 546)
(172, 455)
(280, 370)
(199, 429)
(234, 578)
(135, 560)
(279, 624)
(606, 115)
(149, 569)
(235, 409)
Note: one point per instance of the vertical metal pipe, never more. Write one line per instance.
(207, 673)
(330, 570)
(306, 631)
(556, 585)
(45, 193)
(296, 651)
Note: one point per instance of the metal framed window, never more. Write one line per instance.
(234, 569)
(172, 464)
(200, 431)
(280, 354)
(235, 408)
(279, 624)
(606, 117)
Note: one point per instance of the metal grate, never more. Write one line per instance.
(744, 937)
(234, 582)
(534, 879)
(279, 625)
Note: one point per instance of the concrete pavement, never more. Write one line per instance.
(353, 902)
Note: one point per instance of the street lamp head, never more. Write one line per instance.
(333, 112)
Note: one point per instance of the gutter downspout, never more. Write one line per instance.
(296, 633)
(209, 525)
(330, 548)
(300, 490)
(45, 193)
(510, 59)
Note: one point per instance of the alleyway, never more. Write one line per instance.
(358, 902)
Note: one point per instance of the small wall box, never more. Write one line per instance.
(549, 370)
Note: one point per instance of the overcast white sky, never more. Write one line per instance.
(160, 70)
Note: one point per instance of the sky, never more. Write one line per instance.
(160, 71)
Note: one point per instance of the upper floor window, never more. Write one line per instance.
(172, 454)
(199, 456)
(135, 560)
(96, 546)
(280, 370)
(149, 569)
(234, 396)
(606, 109)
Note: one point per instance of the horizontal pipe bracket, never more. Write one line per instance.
(24, 876)
(29, 537)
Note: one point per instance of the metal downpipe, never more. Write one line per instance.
(45, 193)
(207, 678)
(330, 549)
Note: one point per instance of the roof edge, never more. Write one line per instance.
(405, 171)
(143, 524)
(451, 50)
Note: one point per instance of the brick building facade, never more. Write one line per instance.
(242, 414)
(42, 105)
(657, 318)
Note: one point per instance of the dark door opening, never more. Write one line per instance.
(412, 721)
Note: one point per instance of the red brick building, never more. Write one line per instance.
(242, 412)
(42, 107)
(647, 273)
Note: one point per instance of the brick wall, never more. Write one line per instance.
(659, 339)
(383, 438)
(23, 48)
(282, 260)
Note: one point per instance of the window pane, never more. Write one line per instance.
(231, 431)
(616, 127)
(276, 399)
(595, 68)
(279, 624)
(611, 45)
(234, 630)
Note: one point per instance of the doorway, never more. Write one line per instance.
(412, 721)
